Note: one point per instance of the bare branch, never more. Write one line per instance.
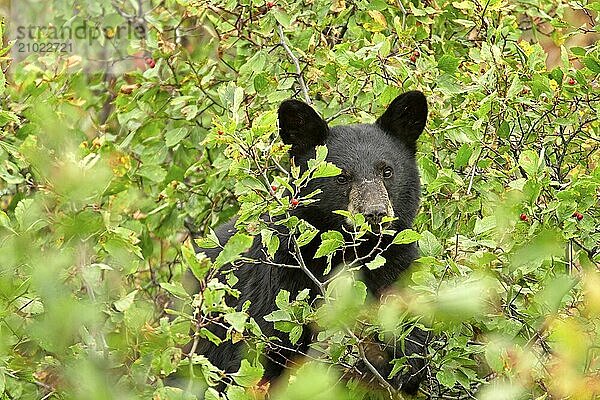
(296, 64)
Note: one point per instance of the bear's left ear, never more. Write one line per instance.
(405, 117)
(301, 126)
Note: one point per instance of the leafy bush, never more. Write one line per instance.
(99, 171)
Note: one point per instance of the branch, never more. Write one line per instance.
(296, 64)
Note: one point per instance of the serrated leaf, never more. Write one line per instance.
(592, 64)
(278, 315)
(235, 246)
(463, 155)
(429, 244)
(406, 236)
(446, 378)
(448, 63)
(155, 173)
(377, 262)
(237, 320)
(209, 242)
(199, 264)
(326, 170)
(307, 236)
(210, 336)
(282, 300)
(176, 289)
(296, 333)
(282, 17)
(248, 375)
(174, 136)
(330, 242)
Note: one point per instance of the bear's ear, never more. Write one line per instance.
(301, 126)
(405, 118)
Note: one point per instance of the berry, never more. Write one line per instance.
(294, 202)
(413, 58)
(523, 217)
(150, 62)
(416, 53)
(577, 215)
(571, 81)
(270, 4)
(219, 133)
(274, 188)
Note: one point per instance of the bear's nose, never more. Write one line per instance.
(375, 213)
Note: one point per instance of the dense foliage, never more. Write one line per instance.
(101, 167)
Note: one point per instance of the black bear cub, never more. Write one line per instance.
(379, 178)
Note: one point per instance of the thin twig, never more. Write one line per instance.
(296, 64)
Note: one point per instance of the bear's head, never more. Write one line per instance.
(379, 171)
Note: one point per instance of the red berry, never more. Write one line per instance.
(416, 53)
(219, 133)
(413, 58)
(294, 202)
(270, 4)
(571, 81)
(579, 216)
(274, 188)
(523, 217)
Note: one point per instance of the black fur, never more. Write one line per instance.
(362, 151)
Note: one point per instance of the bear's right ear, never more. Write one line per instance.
(405, 117)
(301, 126)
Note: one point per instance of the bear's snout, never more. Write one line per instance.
(370, 198)
(375, 213)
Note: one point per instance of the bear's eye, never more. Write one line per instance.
(342, 179)
(388, 172)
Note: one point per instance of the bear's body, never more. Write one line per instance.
(379, 178)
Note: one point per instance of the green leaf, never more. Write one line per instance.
(210, 336)
(485, 224)
(278, 315)
(463, 155)
(377, 262)
(446, 378)
(4, 220)
(209, 242)
(282, 300)
(176, 289)
(307, 236)
(330, 242)
(174, 136)
(530, 162)
(448, 63)
(238, 393)
(237, 244)
(211, 394)
(154, 172)
(237, 320)
(325, 170)
(282, 17)
(406, 236)
(592, 64)
(2, 381)
(429, 244)
(248, 375)
(125, 302)
(295, 334)
(199, 264)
